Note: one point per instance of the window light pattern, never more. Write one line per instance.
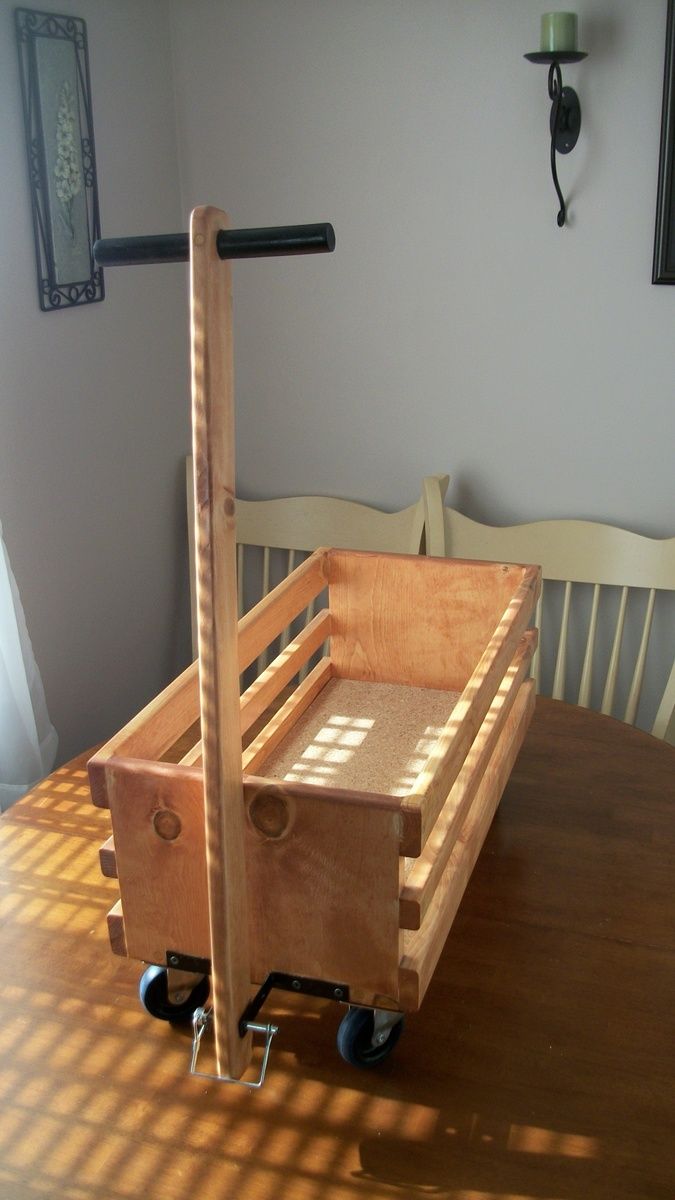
(370, 737)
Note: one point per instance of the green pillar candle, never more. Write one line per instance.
(558, 32)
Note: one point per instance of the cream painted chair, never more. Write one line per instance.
(605, 594)
(273, 536)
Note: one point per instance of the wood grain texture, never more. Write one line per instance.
(213, 451)
(419, 621)
(539, 1065)
(162, 880)
(324, 886)
(329, 867)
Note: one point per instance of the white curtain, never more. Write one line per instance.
(28, 740)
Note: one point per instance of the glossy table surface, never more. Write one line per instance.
(541, 1066)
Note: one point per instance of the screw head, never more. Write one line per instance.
(296, 985)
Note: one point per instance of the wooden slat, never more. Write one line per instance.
(265, 621)
(255, 701)
(433, 784)
(309, 618)
(152, 732)
(638, 674)
(286, 632)
(213, 452)
(586, 682)
(286, 665)
(424, 876)
(613, 668)
(107, 859)
(276, 729)
(240, 580)
(422, 948)
(116, 931)
(265, 690)
(558, 692)
(263, 657)
(164, 720)
(194, 755)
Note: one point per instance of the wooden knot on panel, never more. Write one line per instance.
(270, 812)
(229, 506)
(166, 824)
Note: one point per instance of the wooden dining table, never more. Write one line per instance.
(540, 1067)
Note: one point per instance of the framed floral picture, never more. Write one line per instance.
(56, 91)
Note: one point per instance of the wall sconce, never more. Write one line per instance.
(559, 45)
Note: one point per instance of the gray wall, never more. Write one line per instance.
(94, 403)
(456, 328)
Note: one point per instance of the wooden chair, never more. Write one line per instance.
(607, 606)
(273, 536)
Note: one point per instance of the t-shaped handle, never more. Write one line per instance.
(230, 243)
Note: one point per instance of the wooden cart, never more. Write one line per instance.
(332, 854)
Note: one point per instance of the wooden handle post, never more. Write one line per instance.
(213, 449)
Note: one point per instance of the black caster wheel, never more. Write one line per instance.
(365, 1037)
(154, 996)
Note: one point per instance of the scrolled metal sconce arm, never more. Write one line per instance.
(565, 122)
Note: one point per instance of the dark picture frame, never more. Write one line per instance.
(664, 244)
(56, 93)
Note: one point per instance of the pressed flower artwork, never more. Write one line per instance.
(67, 172)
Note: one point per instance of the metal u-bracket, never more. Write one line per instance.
(565, 126)
(200, 1020)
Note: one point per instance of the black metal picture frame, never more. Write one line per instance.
(664, 244)
(56, 92)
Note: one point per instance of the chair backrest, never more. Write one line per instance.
(273, 536)
(607, 608)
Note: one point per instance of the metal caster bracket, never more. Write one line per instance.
(383, 1023)
(200, 1021)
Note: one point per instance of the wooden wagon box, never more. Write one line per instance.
(368, 793)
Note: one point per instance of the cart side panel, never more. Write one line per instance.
(157, 814)
(322, 874)
(323, 885)
(420, 621)
(447, 758)
(424, 874)
(422, 949)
